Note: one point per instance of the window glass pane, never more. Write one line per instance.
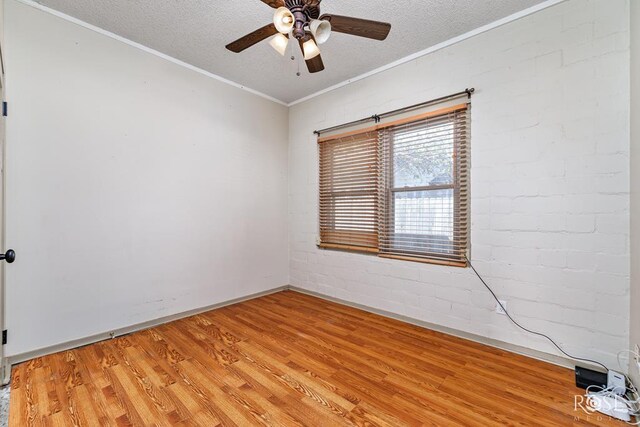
(423, 220)
(424, 156)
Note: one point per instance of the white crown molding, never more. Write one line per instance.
(447, 43)
(147, 49)
(439, 46)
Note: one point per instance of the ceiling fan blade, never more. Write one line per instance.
(358, 27)
(252, 38)
(274, 3)
(314, 65)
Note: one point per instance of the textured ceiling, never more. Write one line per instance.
(196, 31)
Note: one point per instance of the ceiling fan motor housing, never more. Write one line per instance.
(303, 12)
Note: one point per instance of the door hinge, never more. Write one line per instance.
(4, 337)
(5, 108)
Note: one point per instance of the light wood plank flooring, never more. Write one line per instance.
(290, 359)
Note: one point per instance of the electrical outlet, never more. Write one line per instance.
(499, 309)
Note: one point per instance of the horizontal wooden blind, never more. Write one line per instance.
(349, 174)
(399, 189)
(424, 188)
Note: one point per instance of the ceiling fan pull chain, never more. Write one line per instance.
(293, 58)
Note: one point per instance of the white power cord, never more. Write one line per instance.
(608, 401)
(595, 362)
(625, 351)
(605, 400)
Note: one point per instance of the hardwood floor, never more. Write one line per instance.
(290, 359)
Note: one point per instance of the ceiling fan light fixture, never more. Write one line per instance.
(280, 42)
(321, 30)
(284, 20)
(301, 21)
(310, 49)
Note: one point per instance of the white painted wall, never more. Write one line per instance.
(136, 188)
(549, 185)
(635, 184)
(6, 374)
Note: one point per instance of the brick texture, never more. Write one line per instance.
(549, 183)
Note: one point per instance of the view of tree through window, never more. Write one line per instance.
(423, 157)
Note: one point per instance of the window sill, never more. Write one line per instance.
(349, 248)
(460, 264)
(375, 251)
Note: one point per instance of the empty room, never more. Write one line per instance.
(320, 213)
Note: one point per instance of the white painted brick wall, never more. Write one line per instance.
(634, 332)
(549, 183)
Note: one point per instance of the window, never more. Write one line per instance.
(399, 189)
(349, 191)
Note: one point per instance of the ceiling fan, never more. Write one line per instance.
(301, 19)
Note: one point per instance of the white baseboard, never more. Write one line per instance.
(5, 371)
(513, 348)
(22, 357)
(535, 354)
